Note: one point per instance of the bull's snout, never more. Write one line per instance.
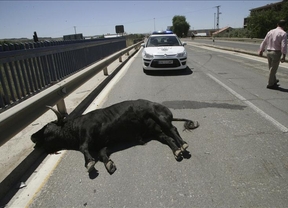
(36, 142)
(33, 139)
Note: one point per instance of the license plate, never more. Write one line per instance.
(165, 62)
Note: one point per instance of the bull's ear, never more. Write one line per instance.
(60, 117)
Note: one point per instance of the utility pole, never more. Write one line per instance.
(75, 29)
(214, 19)
(218, 13)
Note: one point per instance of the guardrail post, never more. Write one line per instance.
(120, 59)
(105, 70)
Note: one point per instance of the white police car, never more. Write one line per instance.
(163, 51)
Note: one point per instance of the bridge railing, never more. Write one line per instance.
(16, 118)
(28, 68)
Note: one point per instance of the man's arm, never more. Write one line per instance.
(284, 47)
(263, 45)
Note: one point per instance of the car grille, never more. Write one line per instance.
(166, 56)
(155, 63)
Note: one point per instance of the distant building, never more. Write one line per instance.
(223, 32)
(112, 35)
(201, 33)
(73, 37)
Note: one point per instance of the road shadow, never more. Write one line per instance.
(282, 89)
(182, 72)
(189, 104)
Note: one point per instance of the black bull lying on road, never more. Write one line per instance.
(137, 121)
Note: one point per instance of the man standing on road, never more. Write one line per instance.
(276, 44)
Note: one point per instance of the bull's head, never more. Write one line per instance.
(49, 137)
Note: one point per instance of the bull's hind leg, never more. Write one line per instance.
(172, 131)
(184, 144)
(108, 163)
(166, 125)
(172, 144)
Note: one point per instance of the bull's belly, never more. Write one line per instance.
(133, 132)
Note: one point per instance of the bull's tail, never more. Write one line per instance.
(188, 125)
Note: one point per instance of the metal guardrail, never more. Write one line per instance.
(26, 69)
(15, 119)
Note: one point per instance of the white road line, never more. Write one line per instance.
(35, 182)
(251, 105)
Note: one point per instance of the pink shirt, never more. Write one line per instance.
(275, 40)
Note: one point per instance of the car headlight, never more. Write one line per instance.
(147, 55)
(183, 54)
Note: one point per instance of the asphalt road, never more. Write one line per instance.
(248, 45)
(239, 154)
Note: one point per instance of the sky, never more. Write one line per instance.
(19, 19)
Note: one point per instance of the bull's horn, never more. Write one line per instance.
(58, 114)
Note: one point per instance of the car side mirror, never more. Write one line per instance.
(143, 45)
(184, 43)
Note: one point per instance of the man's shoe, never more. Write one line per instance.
(275, 86)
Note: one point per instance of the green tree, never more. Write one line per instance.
(180, 26)
(260, 22)
(284, 11)
(239, 33)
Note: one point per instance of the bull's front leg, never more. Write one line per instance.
(89, 160)
(108, 163)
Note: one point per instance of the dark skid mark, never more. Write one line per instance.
(187, 104)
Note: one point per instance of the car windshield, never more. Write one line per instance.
(163, 41)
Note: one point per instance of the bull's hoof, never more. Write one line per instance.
(110, 167)
(178, 154)
(184, 147)
(90, 166)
